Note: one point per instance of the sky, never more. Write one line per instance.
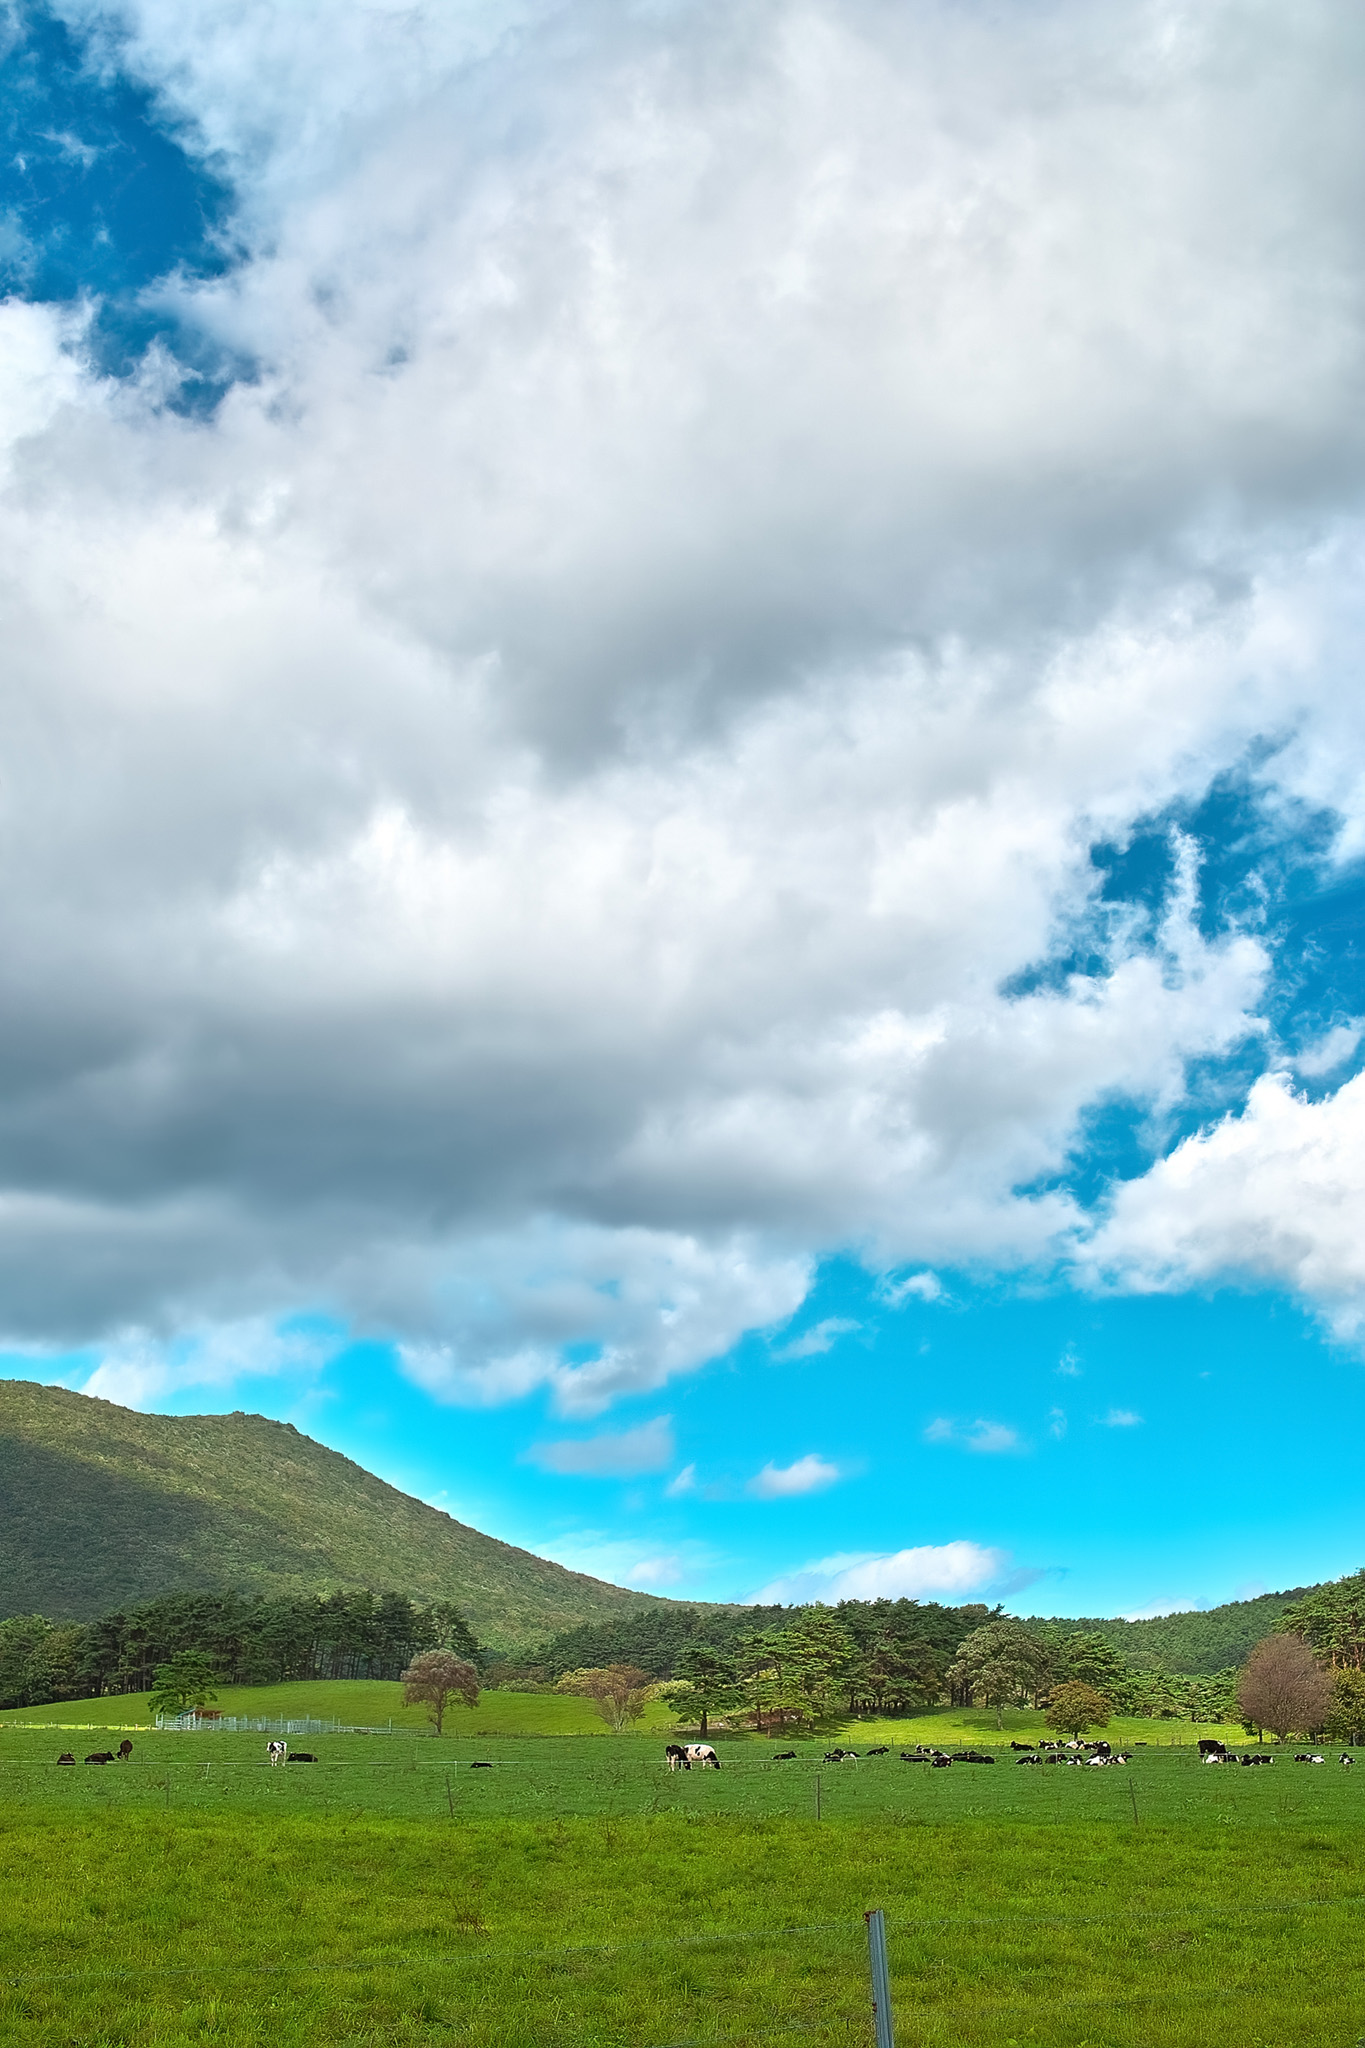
(682, 804)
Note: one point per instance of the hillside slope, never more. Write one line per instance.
(1203, 1640)
(101, 1507)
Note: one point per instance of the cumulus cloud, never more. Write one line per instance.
(522, 830)
(1120, 1418)
(1273, 1194)
(810, 1474)
(928, 1571)
(623, 1455)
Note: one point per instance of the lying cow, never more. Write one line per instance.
(876, 1752)
(278, 1752)
(1346, 1761)
(841, 1756)
(680, 1756)
(785, 1756)
(101, 1756)
(66, 1757)
(301, 1756)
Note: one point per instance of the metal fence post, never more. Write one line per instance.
(881, 1981)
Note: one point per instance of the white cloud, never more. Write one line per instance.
(783, 1482)
(821, 1337)
(138, 1371)
(917, 1287)
(990, 1438)
(685, 1482)
(1331, 1051)
(1120, 1418)
(517, 828)
(621, 1456)
(928, 1571)
(1056, 1422)
(1274, 1194)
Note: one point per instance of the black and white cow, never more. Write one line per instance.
(785, 1756)
(841, 1756)
(278, 1752)
(681, 1756)
(1346, 1761)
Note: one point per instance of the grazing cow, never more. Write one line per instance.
(1347, 1761)
(681, 1756)
(302, 1756)
(785, 1756)
(66, 1757)
(278, 1752)
(101, 1756)
(1210, 1746)
(125, 1750)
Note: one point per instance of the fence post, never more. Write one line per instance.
(881, 1981)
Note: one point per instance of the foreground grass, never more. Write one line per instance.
(130, 1929)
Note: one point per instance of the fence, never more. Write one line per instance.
(262, 1724)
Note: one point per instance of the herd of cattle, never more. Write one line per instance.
(1211, 1752)
(680, 1756)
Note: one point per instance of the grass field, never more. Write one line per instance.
(577, 1895)
(374, 1703)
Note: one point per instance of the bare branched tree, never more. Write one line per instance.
(1283, 1688)
(435, 1678)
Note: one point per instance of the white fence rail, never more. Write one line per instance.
(263, 1724)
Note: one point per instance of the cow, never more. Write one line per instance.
(1346, 1761)
(1035, 1761)
(941, 1763)
(101, 1756)
(1210, 1746)
(278, 1752)
(481, 1767)
(125, 1750)
(971, 1756)
(841, 1756)
(876, 1752)
(681, 1756)
(1022, 1745)
(785, 1756)
(1216, 1756)
(301, 1756)
(66, 1757)
(914, 1756)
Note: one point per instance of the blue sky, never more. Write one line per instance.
(684, 830)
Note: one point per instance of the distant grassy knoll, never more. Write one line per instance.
(160, 1927)
(372, 1703)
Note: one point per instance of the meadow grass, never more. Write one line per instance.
(128, 1929)
(578, 1895)
(373, 1703)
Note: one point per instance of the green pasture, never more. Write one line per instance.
(373, 1703)
(415, 1777)
(125, 1926)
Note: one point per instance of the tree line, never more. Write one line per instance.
(240, 1640)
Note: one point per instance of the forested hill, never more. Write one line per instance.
(1197, 1642)
(101, 1508)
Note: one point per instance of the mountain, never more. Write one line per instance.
(101, 1507)
(1198, 1642)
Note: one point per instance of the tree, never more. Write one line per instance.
(1346, 1708)
(1076, 1706)
(436, 1677)
(1331, 1620)
(708, 1684)
(618, 1691)
(186, 1680)
(1001, 1663)
(1282, 1688)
